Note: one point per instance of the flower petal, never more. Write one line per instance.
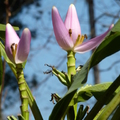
(10, 38)
(72, 22)
(92, 43)
(61, 33)
(23, 47)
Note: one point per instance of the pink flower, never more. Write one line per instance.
(68, 33)
(17, 49)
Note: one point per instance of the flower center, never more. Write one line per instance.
(14, 49)
(79, 39)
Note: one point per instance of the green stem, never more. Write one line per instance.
(71, 64)
(72, 110)
(33, 105)
(23, 91)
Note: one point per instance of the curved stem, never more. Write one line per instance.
(23, 91)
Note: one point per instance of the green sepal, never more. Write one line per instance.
(85, 111)
(79, 113)
(82, 112)
(24, 63)
(11, 117)
(61, 79)
(62, 76)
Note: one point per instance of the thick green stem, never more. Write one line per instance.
(71, 64)
(72, 110)
(23, 92)
(33, 105)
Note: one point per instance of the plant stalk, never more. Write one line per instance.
(72, 110)
(23, 91)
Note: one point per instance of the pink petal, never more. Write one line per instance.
(61, 33)
(10, 38)
(92, 43)
(23, 47)
(72, 22)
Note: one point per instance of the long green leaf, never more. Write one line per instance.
(3, 27)
(109, 46)
(116, 115)
(110, 107)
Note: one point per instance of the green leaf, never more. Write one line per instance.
(109, 46)
(101, 102)
(33, 105)
(99, 113)
(2, 30)
(116, 115)
(110, 107)
(97, 91)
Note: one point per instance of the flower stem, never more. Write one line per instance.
(72, 110)
(23, 92)
(71, 64)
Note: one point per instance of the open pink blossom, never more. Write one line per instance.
(17, 49)
(68, 33)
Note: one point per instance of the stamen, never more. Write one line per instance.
(70, 32)
(14, 49)
(80, 39)
(77, 41)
